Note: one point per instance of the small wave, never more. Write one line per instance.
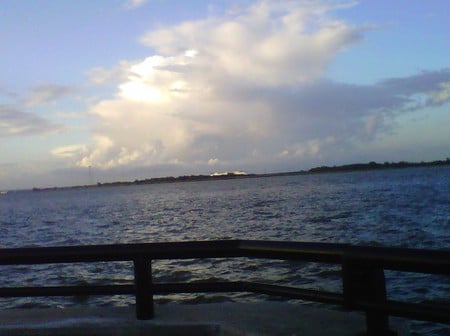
(265, 203)
(175, 276)
(320, 219)
(343, 214)
(252, 267)
(210, 279)
(265, 214)
(329, 274)
(208, 299)
(32, 305)
(196, 210)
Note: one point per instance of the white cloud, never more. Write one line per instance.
(69, 151)
(262, 45)
(194, 100)
(248, 88)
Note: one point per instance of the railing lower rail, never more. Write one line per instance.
(364, 286)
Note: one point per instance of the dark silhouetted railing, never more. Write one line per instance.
(364, 286)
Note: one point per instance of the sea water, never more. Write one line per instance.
(402, 208)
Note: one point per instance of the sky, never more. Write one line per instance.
(117, 90)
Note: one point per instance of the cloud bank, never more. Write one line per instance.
(246, 88)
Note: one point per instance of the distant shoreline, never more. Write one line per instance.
(228, 176)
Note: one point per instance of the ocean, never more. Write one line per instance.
(397, 207)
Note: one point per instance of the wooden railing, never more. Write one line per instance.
(364, 286)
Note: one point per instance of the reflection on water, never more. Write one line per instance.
(406, 208)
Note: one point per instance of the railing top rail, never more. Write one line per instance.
(120, 252)
(393, 258)
(405, 259)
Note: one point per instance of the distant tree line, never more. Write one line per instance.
(183, 178)
(372, 165)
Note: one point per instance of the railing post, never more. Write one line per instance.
(362, 281)
(144, 291)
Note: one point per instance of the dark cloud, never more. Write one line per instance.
(422, 82)
(47, 92)
(327, 108)
(14, 122)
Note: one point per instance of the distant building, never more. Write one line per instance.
(237, 172)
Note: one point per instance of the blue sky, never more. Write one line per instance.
(137, 89)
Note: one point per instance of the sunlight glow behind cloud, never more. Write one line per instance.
(246, 88)
(199, 99)
(155, 88)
